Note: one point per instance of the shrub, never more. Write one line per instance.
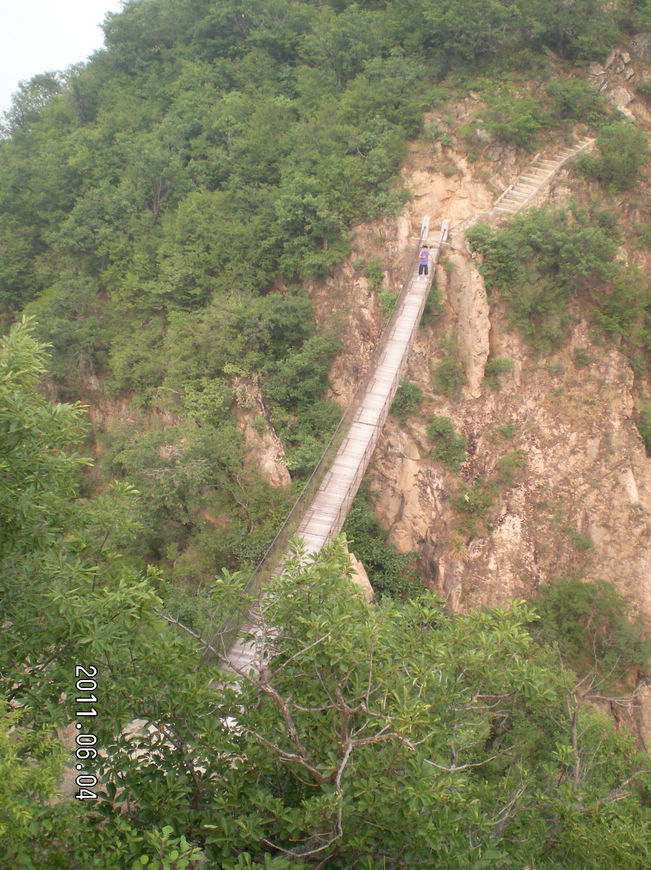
(539, 260)
(473, 503)
(433, 306)
(644, 425)
(407, 401)
(582, 542)
(449, 447)
(391, 573)
(589, 623)
(644, 88)
(387, 299)
(494, 368)
(516, 121)
(642, 234)
(622, 150)
(581, 358)
(624, 309)
(506, 430)
(374, 274)
(433, 132)
(305, 434)
(448, 377)
(299, 379)
(509, 465)
(575, 99)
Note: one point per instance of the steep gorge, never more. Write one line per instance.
(554, 438)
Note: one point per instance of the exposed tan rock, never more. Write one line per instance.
(360, 577)
(263, 447)
(581, 504)
(466, 294)
(411, 501)
(644, 719)
(640, 45)
(621, 98)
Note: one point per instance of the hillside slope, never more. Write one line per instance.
(555, 481)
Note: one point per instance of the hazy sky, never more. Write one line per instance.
(39, 36)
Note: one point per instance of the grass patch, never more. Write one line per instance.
(494, 368)
(473, 503)
(408, 400)
(448, 378)
(449, 447)
(509, 466)
(581, 358)
(507, 430)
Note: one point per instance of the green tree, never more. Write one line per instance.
(31, 763)
(622, 151)
(71, 598)
(389, 734)
(29, 101)
(542, 260)
(400, 735)
(390, 572)
(449, 447)
(590, 624)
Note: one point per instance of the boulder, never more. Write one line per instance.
(360, 577)
(640, 45)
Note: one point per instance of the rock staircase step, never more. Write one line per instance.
(534, 178)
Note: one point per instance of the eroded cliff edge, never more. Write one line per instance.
(557, 442)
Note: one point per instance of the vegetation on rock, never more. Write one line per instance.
(160, 209)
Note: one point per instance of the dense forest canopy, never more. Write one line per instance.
(397, 735)
(160, 211)
(160, 206)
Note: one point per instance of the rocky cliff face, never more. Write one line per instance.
(565, 469)
(262, 446)
(554, 452)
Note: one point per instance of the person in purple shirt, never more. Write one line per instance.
(423, 262)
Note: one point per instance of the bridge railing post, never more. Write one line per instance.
(269, 564)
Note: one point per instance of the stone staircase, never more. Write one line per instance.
(539, 173)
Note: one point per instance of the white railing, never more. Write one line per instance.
(274, 555)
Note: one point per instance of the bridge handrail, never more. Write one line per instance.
(271, 560)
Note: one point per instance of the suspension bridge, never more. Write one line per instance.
(322, 509)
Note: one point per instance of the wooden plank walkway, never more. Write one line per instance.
(327, 513)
